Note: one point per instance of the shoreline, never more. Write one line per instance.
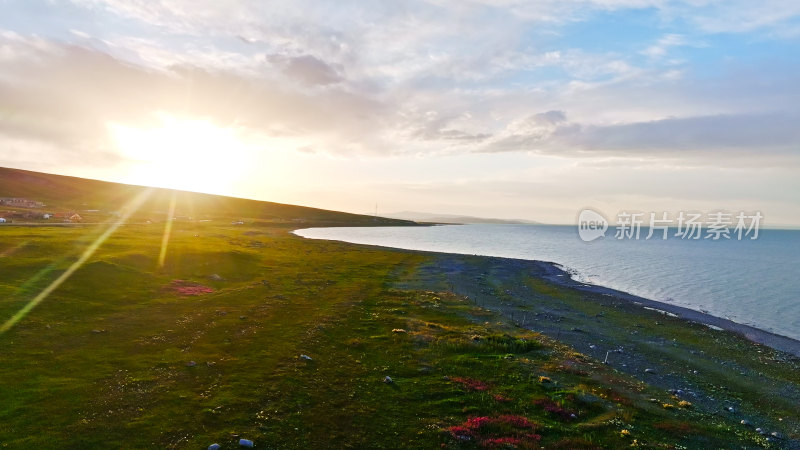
(554, 273)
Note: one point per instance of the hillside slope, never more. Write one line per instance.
(65, 193)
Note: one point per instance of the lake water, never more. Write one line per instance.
(754, 282)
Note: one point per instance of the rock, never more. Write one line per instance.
(777, 435)
(577, 330)
(388, 380)
(760, 431)
(191, 364)
(245, 443)
(746, 423)
(730, 409)
(214, 447)
(592, 346)
(306, 357)
(649, 371)
(242, 317)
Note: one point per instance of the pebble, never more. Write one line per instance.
(730, 409)
(214, 447)
(306, 357)
(245, 443)
(592, 346)
(649, 371)
(761, 431)
(388, 380)
(746, 422)
(777, 435)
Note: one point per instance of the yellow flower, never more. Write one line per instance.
(625, 433)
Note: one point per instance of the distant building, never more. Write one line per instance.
(20, 202)
(2, 220)
(46, 216)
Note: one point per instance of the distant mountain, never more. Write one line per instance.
(454, 218)
(101, 198)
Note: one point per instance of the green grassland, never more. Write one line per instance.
(206, 348)
(121, 357)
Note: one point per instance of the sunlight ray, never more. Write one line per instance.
(10, 251)
(130, 208)
(167, 230)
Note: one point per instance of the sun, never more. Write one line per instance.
(181, 153)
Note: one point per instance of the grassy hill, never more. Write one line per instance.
(63, 193)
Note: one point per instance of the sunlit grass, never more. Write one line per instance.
(130, 208)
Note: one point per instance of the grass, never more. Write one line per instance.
(123, 355)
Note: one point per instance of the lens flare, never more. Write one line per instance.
(130, 208)
(162, 255)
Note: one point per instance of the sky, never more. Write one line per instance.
(494, 108)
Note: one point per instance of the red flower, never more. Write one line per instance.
(517, 421)
(554, 408)
(501, 442)
(183, 287)
(471, 384)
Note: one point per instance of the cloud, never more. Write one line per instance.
(63, 96)
(724, 138)
(425, 77)
(307, 69)
(664, 44)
